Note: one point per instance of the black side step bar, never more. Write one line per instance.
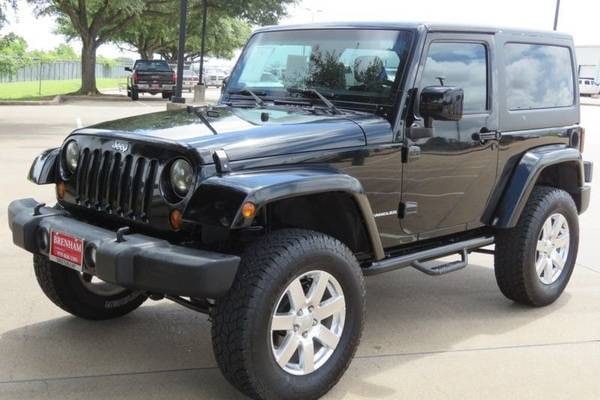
(418, 259)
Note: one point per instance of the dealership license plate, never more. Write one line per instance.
(154, 86)
(66, 249)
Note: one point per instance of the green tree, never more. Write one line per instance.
(13, 54)
(65, 52)
(62, 52)
(4, 4)
(94, 22)
(224, 35)
(228, 27)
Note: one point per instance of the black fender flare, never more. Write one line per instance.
(524, 177)
(267, 186)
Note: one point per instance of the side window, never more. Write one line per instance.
(463, 65)
(538, 76)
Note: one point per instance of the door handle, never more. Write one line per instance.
(485, 134)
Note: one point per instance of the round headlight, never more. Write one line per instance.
(182, 177)
(72, 156)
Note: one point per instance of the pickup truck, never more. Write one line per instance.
(150, 76)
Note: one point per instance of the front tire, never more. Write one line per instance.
(78, 295)
(534, 261)
(292, 321)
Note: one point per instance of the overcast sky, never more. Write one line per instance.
(581, 18)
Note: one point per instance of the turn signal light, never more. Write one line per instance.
(176, 219)
(60, 190)
(248, 210)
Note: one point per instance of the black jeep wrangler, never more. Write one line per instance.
(150, 76)
(336, 151)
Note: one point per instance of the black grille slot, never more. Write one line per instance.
(116, 184)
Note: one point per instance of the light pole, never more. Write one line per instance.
(183, 6)
(313, 13)
(202, 46)
(556, 14)
(200, 89)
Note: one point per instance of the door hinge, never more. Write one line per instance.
(411, 153)
(407, 208)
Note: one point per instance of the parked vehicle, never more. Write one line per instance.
(318, 167)
(190, 79)
(214, 78)
(588, 87)
(150, 76)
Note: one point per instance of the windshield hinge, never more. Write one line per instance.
(221, 161)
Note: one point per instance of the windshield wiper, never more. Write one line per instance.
(191, 109)
(330, 106)
(259, 102)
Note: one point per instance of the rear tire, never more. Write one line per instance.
(530, 268)
(134, 94)
(66, 288)
(245, 341)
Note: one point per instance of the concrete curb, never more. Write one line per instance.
(56, 100)
(102, 97)
(64, 99)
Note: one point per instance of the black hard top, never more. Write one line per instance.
(422, 26)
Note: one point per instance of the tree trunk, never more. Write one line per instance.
(146, 54)
(88, 68)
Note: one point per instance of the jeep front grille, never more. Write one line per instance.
(115, 183)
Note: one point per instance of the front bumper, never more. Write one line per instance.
(138, 262)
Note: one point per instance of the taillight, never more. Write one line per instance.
(174, 77)
(135, 76)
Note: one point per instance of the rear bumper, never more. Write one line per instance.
(138, 262)
(145, 87)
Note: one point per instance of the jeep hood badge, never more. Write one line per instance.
(120, 146)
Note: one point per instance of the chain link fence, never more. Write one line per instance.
(27, 70)
(27, 78)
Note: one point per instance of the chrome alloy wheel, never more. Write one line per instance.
(307, 322)
(552, 249)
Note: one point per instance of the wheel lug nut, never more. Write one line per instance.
(305, 335)
(296, 327)
(310, 309)
(299, 312)
(315, 322)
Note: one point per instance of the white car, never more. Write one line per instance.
(190, 79)
(588, 87)
(214, 78)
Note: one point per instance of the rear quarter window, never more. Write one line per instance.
(538, 76)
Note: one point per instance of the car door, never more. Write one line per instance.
(451, 166)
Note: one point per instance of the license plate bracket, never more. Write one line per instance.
(66, 249)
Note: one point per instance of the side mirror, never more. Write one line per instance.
(442, 103)
(128, 69)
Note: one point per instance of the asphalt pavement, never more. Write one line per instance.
(451, 337)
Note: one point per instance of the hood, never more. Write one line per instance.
(243, 134)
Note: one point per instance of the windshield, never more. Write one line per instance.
(344, 65)
(158, 65)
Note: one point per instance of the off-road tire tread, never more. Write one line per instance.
(260, 264)
(55, 284)
(511, 249)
